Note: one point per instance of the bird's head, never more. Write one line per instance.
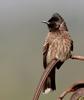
(54, 22)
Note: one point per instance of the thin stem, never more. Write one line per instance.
(43, 79)
(46, 73)
(73, 88)
(77, 57)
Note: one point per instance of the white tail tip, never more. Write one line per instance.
(47, 91)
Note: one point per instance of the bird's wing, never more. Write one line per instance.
(45, 50)
(71, 45)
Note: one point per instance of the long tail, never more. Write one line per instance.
(49, 84)
(43, 78)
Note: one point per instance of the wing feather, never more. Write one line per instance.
(45, 50)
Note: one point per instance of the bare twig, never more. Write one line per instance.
(45, 75)
(43, 79)
(78, 94)
(77, 57)
(73, 88)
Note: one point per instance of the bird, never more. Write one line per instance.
(58, 45)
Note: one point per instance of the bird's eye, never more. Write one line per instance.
(51, 24)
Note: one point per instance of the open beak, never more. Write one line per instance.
(46, 22)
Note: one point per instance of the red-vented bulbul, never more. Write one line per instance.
(58, 45)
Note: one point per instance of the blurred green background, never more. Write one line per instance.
(21, 38)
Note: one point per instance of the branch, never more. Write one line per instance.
(78, 95)
(46, 73)
(43, 79)
(77, 57)
(78, 85)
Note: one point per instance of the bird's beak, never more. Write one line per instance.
(46, 22)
